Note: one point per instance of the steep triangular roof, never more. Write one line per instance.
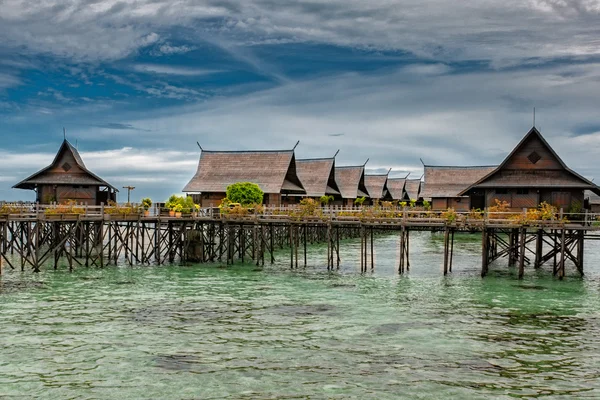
(61, 172)
(413, 188)
(396, 188)
(318, 176)
(376, 185)
(351, 181)
(538, 166)
(274, 171)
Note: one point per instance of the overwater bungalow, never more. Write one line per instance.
(274, 171)
(318, 177)
(396, 189)
(413, 188)
(376, 185)
(443, 183)
(531, 174)
(351, 182)
(67, 178)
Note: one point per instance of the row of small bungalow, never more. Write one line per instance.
(285, 180)
(532, 173)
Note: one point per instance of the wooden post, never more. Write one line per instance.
(580, 248)
(446, 252)
(522, 253)
(561, 271)
(539, 242)
(451, 249)
(372, 256)
(484, 252)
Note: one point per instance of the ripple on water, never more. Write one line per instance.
(214, 333)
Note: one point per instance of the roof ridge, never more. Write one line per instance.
(248, 151)
(315, 159)
(461, 166)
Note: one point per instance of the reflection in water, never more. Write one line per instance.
(213, 333)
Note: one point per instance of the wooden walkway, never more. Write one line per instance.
(34, 238)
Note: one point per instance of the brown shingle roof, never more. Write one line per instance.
(396, 188)
(55, 174)
(314, 175)
(413, 188)
(450, 181)
(593, 197)
(219, 169)
(350, 181)
(376, 185)
(544, 175)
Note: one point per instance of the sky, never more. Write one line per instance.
(137, 83)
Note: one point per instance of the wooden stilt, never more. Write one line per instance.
(522, 253)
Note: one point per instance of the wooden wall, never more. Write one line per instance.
(520, 159)
(61, 194)
(558, 198)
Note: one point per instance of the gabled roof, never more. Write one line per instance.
(376, 185)
(317, 176)
(396, 188)
(544, 168)
(413, 188)
(61, 172)
(351, 182)
(593, 197)
(449, 181)
(274, 171)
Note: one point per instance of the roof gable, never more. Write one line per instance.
(269, 169)
(413, 188)
(67, 168)
(317, 176)
(395, 187)
(533, 162)
(376, 185)
(351, 181)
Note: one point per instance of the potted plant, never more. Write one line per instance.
(146, 204)
(178, 209)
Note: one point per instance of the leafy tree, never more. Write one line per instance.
(245, 193)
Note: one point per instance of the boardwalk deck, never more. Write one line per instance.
(33, 238)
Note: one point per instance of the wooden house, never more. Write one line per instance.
(592, 201)
(274, 171)
(318, 177)
(531, 174)
(377, 187)
(413, 189)
(351, 182)
(67, 178)
(396, 189)
(443, 183)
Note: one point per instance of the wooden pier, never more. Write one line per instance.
(34, 239)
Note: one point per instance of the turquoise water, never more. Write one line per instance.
(209, 332)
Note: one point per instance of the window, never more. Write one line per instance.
(534, 157)
(522, 191)
(501, 191)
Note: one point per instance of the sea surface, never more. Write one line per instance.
(242, 332)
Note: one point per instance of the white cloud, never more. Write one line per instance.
(172, 70)
(168, 49)
(504, 32)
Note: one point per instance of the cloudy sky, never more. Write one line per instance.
(136, 83)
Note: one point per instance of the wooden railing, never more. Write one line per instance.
(371, 214)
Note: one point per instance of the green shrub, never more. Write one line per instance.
(245, 193)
